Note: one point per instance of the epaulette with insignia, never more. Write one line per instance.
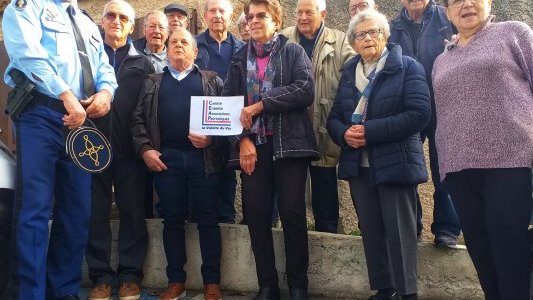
(20, 4)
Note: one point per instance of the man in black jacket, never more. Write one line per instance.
(127, 172)
(186, 165)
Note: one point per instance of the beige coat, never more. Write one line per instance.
(331, 52)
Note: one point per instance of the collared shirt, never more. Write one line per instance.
(181, 75)
(40, 42)
(159, 60)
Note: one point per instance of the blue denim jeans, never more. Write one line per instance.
(186, 182)
(445, 219)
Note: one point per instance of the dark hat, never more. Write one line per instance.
(176, 7)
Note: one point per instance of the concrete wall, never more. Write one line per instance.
(337, 266)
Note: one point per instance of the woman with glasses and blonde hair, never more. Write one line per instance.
(382, 103)
(483, 86)
(276, 146)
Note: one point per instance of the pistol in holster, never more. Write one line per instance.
(21, 95)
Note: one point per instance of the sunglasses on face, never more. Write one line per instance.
(260, 16)
(111, 16)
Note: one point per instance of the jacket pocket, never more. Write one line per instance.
(56, 35)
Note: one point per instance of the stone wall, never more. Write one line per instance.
(338, 17)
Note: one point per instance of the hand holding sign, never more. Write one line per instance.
(216, 115)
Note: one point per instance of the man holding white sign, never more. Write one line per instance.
(186, 164)
(216, 115)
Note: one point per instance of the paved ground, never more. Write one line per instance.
(196, 295)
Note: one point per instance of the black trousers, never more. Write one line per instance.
(6, 210)
(128, 179)
(286, 178)
(324, 197)
(494, 207)
(387, 216)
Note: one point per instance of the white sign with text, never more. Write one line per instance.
(212, 115)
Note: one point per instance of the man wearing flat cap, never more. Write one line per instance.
(177, 15)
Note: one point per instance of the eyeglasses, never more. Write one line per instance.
(358, 7)
(373, 33)
(460, 3)
(154, 26)
(260, 16)
(111, 16)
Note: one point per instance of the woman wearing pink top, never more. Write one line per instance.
(276, 146)
(483, 87)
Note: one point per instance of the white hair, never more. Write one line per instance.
(160, 15)
(194, 43)
(242, 19)
(320, 5)
(368, 14)
(128, 9)
(228, 6)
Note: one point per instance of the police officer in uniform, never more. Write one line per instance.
(60, 50)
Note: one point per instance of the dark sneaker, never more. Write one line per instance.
(387, 294)
(101, 291)
(445, 241)
(268, 293)
(298, 293)
(410, 297)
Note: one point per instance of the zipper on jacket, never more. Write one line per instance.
(280, 115)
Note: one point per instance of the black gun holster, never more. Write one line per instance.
(21, 95)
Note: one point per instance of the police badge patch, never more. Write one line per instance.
(21, 4)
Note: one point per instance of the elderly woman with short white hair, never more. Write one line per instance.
(382, 103)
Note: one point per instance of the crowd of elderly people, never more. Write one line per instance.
(323, 104)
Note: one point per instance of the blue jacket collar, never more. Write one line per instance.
(402, 17)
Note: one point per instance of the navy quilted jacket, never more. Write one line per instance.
(398, 109)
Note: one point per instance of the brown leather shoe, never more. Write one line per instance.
(212, 292)
(174, 291)
(101, 291)
(129, 291)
